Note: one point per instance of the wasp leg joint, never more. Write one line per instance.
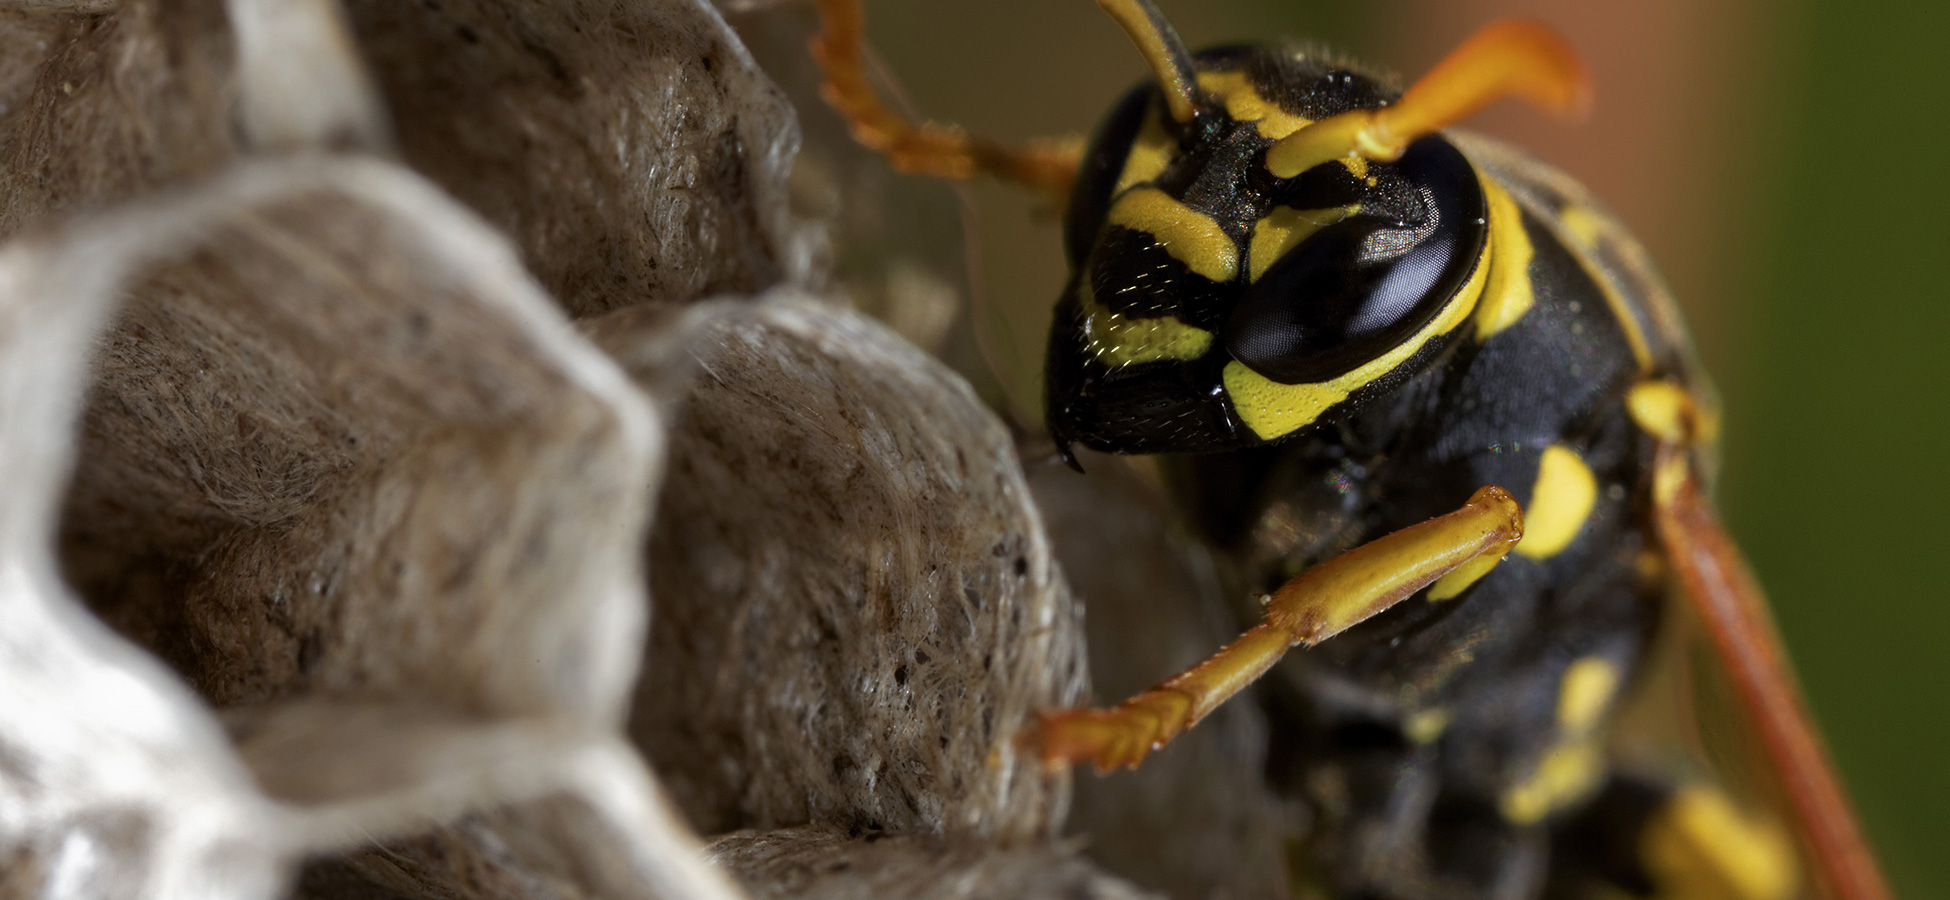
(1318, 604)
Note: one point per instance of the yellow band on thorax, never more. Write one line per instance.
(1560, 503)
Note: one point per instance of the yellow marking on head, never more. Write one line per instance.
(1667, 411)
(1272, 409)
(1426, 726)
(1449, 586)
(1119, 340)
(1562, 500)
(1284, 229)
(1508, 295)
(1190, 236)
(1699, 846)
(1585, 690)
(1150, 153)
(1565, 775)
(1243, 102)
(1357, 166)
(1590, 230)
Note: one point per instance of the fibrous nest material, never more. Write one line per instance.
(438, 466)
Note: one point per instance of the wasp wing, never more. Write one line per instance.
(1721, 590)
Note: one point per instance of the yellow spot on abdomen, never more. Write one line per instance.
(1562, 500)
(1566, 774)
(1586, 689)
(1699, 845)
(1272, 409)
(1190, 236)
(1284, 229)
(1118, 340)
(1508, 295)
(1243, 102)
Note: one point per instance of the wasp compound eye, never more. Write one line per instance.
(1359, 288)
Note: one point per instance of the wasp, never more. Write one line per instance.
(1432, 401)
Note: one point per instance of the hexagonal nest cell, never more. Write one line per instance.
(443, 463)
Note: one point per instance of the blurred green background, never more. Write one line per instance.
(1785, 163)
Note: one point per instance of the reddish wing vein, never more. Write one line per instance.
(1722, 590)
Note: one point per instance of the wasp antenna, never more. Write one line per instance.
(1514, 57)
(1163, 50)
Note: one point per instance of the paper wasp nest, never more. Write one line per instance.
(435, 469)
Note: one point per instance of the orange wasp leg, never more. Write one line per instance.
(924, 149)
(1722, 590)
(1318, 604)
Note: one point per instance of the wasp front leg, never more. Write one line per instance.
(1318, 604)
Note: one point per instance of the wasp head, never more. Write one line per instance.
(1213, 305)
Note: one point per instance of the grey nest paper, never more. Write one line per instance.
(441, 464)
